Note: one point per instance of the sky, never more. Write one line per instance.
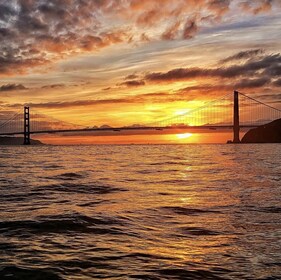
(125, 62)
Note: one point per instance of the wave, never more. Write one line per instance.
(188, 211)
(64, 224)
(81, 188)
(271, 209)
(196, 231)
(181, 273)
(16, 273)
(19, 197)
(69, 176)
(119, 212)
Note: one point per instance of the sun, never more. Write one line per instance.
(184, 135)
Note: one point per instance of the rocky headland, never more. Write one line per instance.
(13, 141)
(268, 133)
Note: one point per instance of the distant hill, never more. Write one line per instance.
(17, 141)
(269, 133)
(105, 126)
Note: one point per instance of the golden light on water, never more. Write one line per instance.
(184, 135)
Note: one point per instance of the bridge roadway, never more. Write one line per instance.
(138, 128)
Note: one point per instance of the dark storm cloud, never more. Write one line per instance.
(11, 87)
(6, 33)
(14, 61)
(273, 70)
(270, 64)
(33, 30)
(177, 74)
(243, 55)
(6, 11)
(252, 83)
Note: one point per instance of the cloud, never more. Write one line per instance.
(172, 31)
(190, 29)
(190, 93)
(12, 87)
(177, 74)
(219, 7)
(213, 90)
(133, 83)
(258, 6)
(71, 104)
(131, 77)
(252, 83)
(277, 83)
(270, 65)
(107, 88)
(35, 33)
(243, 55)
(273, 70)
(141, 98)
(15, 61)
(53, 86)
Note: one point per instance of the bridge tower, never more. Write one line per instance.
(236, 126)
(26, 126)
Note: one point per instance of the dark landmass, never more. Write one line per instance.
(269, 133)
(17, 141)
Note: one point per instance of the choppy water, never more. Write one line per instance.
(140, 212)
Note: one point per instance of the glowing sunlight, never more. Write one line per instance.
(184, 135)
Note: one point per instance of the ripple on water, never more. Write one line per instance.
(63, 224)
(271, 209)
(17, 273)
(70, 176)
(186, 231)
(140, 212)
(188, 211)
(20, 197)
(182, 273)
(86, 188)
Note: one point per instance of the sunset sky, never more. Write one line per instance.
(122, 62)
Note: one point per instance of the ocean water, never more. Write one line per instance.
(140, 212)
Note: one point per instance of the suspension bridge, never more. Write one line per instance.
(235, 111)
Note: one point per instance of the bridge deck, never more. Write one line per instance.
(144, 128)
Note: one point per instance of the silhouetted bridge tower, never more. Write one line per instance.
(236, 125)
(26, 134)
(234, 111)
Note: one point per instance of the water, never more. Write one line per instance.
(140, 212)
